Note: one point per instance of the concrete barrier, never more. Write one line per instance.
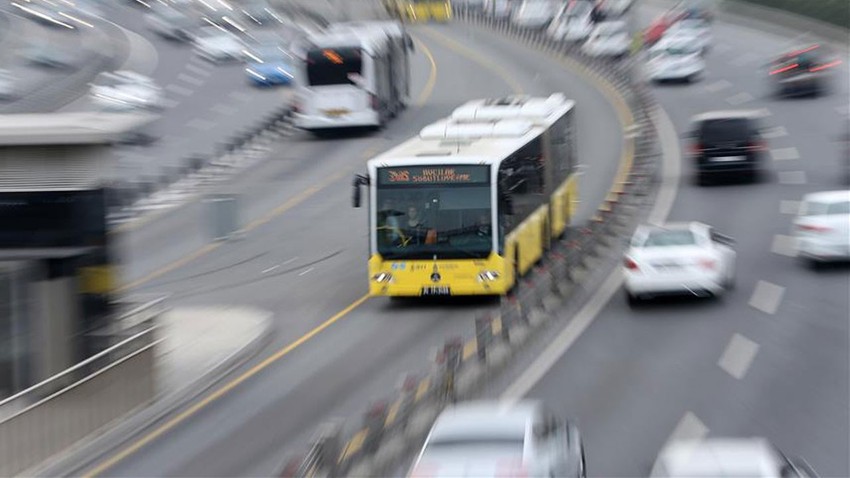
(400, 423)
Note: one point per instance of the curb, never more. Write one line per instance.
(106, 442)
(392, 428)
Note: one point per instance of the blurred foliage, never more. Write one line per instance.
(836, 12)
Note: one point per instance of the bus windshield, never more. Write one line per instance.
(333, 66)
(420, 221)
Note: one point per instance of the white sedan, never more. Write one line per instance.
(676, 259)
(573, 23)
(608, 39)
(822, 227)
(675, 61)
(218, 45)
(491, 439)
(123, 90)
(728, 457)
(694, 30)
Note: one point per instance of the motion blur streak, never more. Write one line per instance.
(161, 430)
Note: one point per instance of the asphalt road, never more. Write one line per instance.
(304, 258)
(771, 358)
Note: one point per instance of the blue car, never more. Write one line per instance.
(270, 67)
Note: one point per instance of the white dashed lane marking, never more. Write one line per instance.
(690, 427)
(784, 245)
(305, 272)
(240, 96)
(740, 98)
(201, 124)
(785, 154)
(777, 132)
(738, 356)
(179, 90)
(197, 70)
(789, 207)
(718, 85)
(223, 109)
(190, 79)
(767, 297)
(792, 177)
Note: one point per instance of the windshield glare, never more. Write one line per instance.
(669, 238)
(446, 221)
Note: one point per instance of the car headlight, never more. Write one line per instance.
(383, 277)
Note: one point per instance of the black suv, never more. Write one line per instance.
(727, 143)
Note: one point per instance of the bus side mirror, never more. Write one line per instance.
(359, 180)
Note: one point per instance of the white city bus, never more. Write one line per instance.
(354, 75)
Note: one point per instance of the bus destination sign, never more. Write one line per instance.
(411, 175)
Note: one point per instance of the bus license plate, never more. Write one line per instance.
(436, 290)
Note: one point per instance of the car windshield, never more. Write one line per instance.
(416, 220)
(670, 237)
(825, 209)
(727, 129)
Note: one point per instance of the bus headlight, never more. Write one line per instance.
(488, 276)
(382, 277)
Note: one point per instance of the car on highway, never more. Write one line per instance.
(675, 61)
(727, 143)
(533, 14)
(7, 85)
(270, 65)
(822, 227)
(608, 39)
(125, 90)
(726, 458)
(48, 55)
(573, 23)
(694, 30)
(803, 71)
(688, 258)
(218, 45)
(615, 8)
(489, 439)
(170, 23)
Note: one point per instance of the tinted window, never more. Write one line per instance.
(332, 66)
(669, 238)
(720, 130)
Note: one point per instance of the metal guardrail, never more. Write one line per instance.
(51, 416)
(389, 428)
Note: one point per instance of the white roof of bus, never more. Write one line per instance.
(368, 41)
(479, 132)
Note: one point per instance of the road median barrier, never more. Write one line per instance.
(394, 428)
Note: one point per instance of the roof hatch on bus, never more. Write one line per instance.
(526, 107)
(446, 130)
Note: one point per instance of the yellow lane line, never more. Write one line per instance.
(475, 57)
(354, 445)
(422, 389)
(432, 77)
(469, 349)
(170, 424)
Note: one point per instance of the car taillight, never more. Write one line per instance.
(511, 469)
(784, 69)
(813, 228)
(707, 263)
(825, 66)
(630, 264)
(757, 145)
(696, 148)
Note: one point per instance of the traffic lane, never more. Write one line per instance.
(369, 329)
(726, 406)
(202, 453)
(295, 166)
(599, 133)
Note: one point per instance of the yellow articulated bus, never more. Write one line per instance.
(474, 201)
(420, 10)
